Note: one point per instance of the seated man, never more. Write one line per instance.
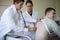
(49, 26)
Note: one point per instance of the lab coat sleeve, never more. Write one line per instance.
(36, 15)
(56, 29)
(6, 23)
(30, 20)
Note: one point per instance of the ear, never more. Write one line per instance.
(48, 13)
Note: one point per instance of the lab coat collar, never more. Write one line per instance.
(28, 13)
(49, 19)
(14, 8)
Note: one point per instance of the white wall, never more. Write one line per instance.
(57, 4)
(39, 5)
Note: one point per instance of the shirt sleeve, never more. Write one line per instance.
(56, 29)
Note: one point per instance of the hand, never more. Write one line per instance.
(26, 26)
(33, 29)
(39, 19)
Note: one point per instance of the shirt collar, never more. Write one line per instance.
(48, 18)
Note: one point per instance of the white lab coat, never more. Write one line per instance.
(30, 21)
(11, 20)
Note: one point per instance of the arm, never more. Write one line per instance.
(56, 29)
(41, 33)
(31, 20)
(6, 24)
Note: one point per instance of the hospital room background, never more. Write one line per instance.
(39, 5)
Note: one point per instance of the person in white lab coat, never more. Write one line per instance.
(30, 19)
(11, 19)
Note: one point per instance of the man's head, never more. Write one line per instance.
(50, 12)
(29, 5)
(18, 4)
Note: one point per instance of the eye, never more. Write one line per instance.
(54, 13)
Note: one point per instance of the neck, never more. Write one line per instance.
(15, 6)
(49, 17)
(30, 12)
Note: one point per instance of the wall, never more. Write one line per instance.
(39, 5)
(57, 4)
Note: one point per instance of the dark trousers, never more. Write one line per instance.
(50, 37)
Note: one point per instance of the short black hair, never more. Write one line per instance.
(29, 1)
(17, 1)
(49, 9)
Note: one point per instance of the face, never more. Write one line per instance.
(19, 5)
(51, 14)
(29, 7)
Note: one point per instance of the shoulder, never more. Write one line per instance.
(7, 12)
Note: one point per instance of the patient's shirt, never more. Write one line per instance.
(52, 26)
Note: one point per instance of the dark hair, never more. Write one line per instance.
(17, 1)
(29, 1)
(49, 9)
